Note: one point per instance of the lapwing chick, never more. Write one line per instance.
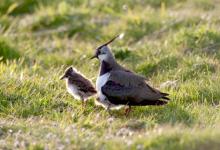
(118, 86)
(77, 85)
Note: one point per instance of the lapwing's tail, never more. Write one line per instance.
(164, 96)
(161, 101)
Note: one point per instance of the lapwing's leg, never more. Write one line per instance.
(97, 101)
(82, 107)
(127, 110)
(109, 110)
(83, 103)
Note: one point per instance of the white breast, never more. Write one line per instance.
(72, 89)
(101, 80)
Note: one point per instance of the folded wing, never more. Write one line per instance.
(83, 84)
(125, 87)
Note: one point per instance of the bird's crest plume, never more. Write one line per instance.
(110, 41)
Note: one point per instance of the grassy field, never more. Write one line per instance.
(173, 43)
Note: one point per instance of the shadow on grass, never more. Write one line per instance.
(122, 54)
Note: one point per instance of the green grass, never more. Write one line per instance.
(7, 51)
(174, 44)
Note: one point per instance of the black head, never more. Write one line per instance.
(103, 51)
(68, 73)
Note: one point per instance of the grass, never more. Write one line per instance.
(7, 51)
(174, 44)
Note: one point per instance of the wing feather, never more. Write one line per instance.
(127, 86)
(83, 84)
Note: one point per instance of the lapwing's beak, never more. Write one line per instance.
(62, 77)
(94, 57)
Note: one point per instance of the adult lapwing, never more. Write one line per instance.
(117, 86)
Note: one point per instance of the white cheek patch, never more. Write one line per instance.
(102, 57)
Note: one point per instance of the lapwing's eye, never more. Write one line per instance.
(102, 52)
(99, 51)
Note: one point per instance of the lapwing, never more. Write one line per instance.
(117, 86)
(77, 85)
